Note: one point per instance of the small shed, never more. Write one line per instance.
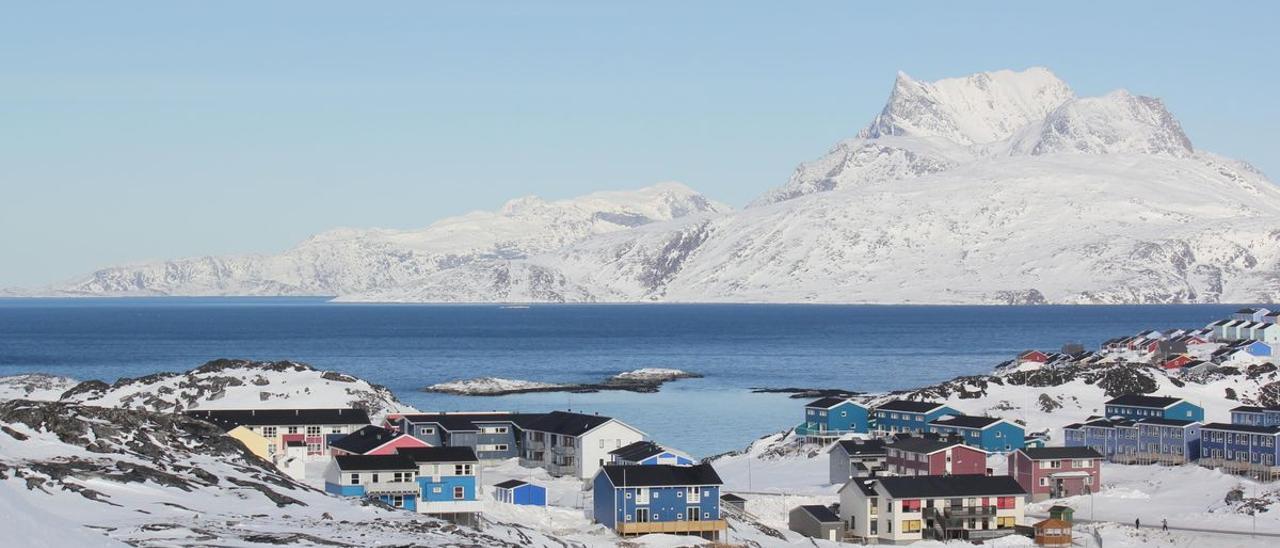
(735, 501)
(1053, 532)
(1062, 512)
(520, 492)
(816, 521)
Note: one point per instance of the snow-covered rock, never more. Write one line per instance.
(34, 386)
(489, 386)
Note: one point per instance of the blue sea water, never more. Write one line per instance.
(406, 347)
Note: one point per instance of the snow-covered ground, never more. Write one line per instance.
(34, 386)
(488, 385)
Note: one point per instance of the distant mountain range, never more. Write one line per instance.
(1000, 187)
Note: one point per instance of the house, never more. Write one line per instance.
(730, 501)
(933, 456)
(1177, 362)
(991, 434)
(1256, 416)
(900, 510)
(1052, 532)
(1273, 318)
(391, 479)
(520, 492)
(831, 418)
(816, 521)
(855, 458)
(1166, 441)
(1056, 472)
(574, 444)
(1268, 334)
(1250, 314)
(1062, 512)
(1229, 330)
(1140, 406)
(1115, 439)
(1033, 356)
(647, 452)
(493, 436)
(278, 426)
(1241, 449)
(908, 416)
(1216, 329)
(448, 482)
(373, 440)
(1256, 348)
(659, 498)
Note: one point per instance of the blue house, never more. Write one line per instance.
(520, 492)
(908, 416)
(1139, 406)
(1115, 439)
(1256, 416)
(1241, 449)
(1167, 441)
(447, 482)
(1257, 348)
(831, 418)
(659, 498)
(991, 434)
(647, 452)
(391, 479)
(493, 436)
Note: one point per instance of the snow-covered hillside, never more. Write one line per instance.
(998, 187)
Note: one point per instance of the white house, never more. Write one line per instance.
(574, 444)
(901, 510)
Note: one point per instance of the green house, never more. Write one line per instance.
(1064, 513)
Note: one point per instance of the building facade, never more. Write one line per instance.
(574, 444)
(902, 510)
(831, 418)
(855, 458)
(920, 456)
(1139, 406)
(280, 426)
(991, 434)
(1241, 449)
(904, 416)
(1056, 472)
(1256, 416)
(660, 498)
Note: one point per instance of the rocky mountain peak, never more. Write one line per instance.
(1119, 122)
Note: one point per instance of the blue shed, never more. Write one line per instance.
(520, 492)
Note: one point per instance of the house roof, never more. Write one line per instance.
(909, 406)
(732, 497)
(1246, 311)
(510, 484)
(950, 486)
(923, 445)
(1142, 400)
(374, 462)
(638, 451)
(861, 447)
(566, 423)
(470, 422)
(1037, 453)
(828, 403)
(966, 421)
(231, 418)
(655, 475)
(1242, 428)
(365, 439)
(439, 454)
(821, 513)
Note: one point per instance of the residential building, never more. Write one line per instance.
(855, 458)
(574, 444)
(1139, 406)
(647, 452)
(493, 436)
(831, 418)
(901, 510)
(933, 456)
(1250, 314)
(1256, 416)
(1166, 441)
(372, 440)
(659, 498)
(1241, 449)
(1052, 532)
(991, 434)
(1115, 439)
(816, 521)
(1056, 472)
(388, 478)
(908, 416)
(277, 426)
(520, 492)
(448, 482)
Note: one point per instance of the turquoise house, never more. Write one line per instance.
(991, 434)
(1141, 406)
(387, 478)
(905, 416)
(831, 418)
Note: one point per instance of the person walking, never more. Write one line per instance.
(1164, 524)
(1137, 523)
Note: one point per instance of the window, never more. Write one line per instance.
(397, 501)
(1044, 482)
(336, 430)
(910, 526)
(462, 469)
(911, 505)
(602, 444)
(268, 431)
(313, 430)
(694, 495)
(355, 479)
(292, 429)
(373, 477)
(437, 489)
(1005, 503)
(642, 495)
(426, 430)
(459, 493)
(1005, 522)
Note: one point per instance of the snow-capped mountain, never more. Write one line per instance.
(351, 260)
(998, 187)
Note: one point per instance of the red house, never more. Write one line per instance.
(373, 440)
(920, 456)
(1056, 472)
(1177, 362)
(1033, 356)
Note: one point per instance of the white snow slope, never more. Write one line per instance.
(998, 187)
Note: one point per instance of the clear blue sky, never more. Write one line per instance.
(136, 131)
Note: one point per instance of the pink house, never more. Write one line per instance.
(373, 440)
(1056, 472)
(921, 456)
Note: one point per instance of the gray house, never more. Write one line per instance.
(816, 521)
(493, 436)
(855, 459)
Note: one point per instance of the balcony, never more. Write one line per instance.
(965, 512)
(391, 488)
(672, 527)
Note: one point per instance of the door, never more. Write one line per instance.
(831, 535)
(642, 515)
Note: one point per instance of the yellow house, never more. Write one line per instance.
(253, 441)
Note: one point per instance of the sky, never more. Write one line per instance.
(141, 131)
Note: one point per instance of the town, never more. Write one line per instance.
(906, 469)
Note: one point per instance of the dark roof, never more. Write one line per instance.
(1165, 422)
(732, 497)
(966, 421)
(826, 403)
(653, 475)
(1140, 400)
(950, 486)
(231, 418)
(638, 451)
(365, 439)
(566, 423)
(862, 447)
(375, 462)
(510, 484)
(909, 406)
(923, 445)
(1246, 311)
(821, 513)
(1037, 453)
(1242, 428)
(1255, 408)
(470, 422)
(439, 454)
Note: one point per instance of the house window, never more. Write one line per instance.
(292, 429)
(910, 526)
(397, 501)
(335, 430)
(313, 430)
(462, 469)
(373, 477)
(459, 492)
(355, 479)
(426, 430)
(268, 431)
